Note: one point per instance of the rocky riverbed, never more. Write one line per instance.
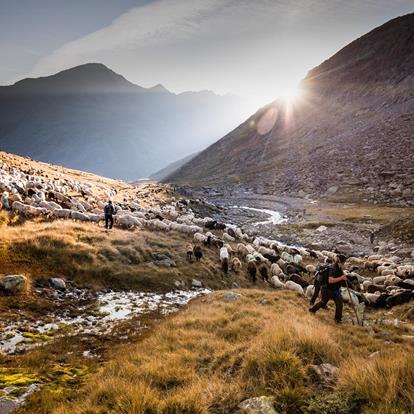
(82, 314)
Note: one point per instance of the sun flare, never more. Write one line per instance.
(290, 93)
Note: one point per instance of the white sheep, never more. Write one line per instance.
(242, 249)
(275, 269)
(294, 286)
(309, 291)
(228, 238)
(199, 237)
(275, 281)
(224, 254)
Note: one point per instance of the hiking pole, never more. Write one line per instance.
(352, 302)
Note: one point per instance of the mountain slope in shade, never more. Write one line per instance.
(93, 119)
(352, 128)
(170, 168)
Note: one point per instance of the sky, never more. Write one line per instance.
(258, 49)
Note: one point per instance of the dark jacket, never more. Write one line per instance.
(109, 210)
(335, 271)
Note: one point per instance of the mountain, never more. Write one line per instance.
(170, 168)
(93, 119)
(352, 128)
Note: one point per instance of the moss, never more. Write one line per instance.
(34, 337)
(13, 377)
(335, 403)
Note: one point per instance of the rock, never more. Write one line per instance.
(13, 284)
(332, 190)
(258, 405)
(167, 262)
(8, 406)
(231, 296)
(57, 283)
(179, 284)
(196, 283)
(323, 373)
(321, 229)
(374, 354)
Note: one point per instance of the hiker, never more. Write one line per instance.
(372, 237)
(331, 288)
(109, 211)
(5, 201)
(320, 275)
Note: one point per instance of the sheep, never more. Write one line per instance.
(309, 291)
(379, 280)
(297, 259)
(271, 257)
(264, 272)
(242, 249)
(299, 280)
(126, 221)
(198, 253)
(250, 258)
(275, 269)
(275, 281)
(224, 253)
(228, 238)
(311, 269)
(264, 250)
(252, 270)
(286, 257)
(236, 264)
(63, 213)
(189, 251)
(96, 218)
(199, 237)
(229, 248)
(294, 286)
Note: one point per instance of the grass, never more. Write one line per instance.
(86, 254)
(214, 354)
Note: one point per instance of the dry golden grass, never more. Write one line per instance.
(214, 354)
(85, 253)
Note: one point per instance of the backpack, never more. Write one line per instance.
(109, 210)
(322, 274)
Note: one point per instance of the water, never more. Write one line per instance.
(274, 216)
(112, 307)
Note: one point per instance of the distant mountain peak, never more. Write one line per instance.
(159, 87)
(86, 78)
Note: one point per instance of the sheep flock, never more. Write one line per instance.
(376, 280)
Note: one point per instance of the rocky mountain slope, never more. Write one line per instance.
(351, 129)
(93, 119)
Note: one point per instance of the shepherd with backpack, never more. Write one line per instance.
(330, 281)
(109, 211)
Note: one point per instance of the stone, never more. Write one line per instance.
(57, 283)
(323, 373)
(231, 296)
(332, 190)
(196, 283)
(321, 229)
(13, 284)
(258, 405)
(8, 406)
(167, 262)
(179, 284)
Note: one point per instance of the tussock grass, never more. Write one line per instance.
(85, 253)
(214, 354)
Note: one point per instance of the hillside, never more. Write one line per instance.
(93, 119)
(86, 320)
(170, 168)
(350, 130)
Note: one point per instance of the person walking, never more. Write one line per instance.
(331, 289)
(109, 211)
(322, 274)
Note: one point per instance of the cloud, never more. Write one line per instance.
(254, 48)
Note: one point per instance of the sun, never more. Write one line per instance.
(290, 93)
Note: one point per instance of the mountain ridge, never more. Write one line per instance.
(356, 122)
(93, 119)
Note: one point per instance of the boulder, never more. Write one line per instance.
(57, 283)
(258, 405)
(332, 190)
(323, 373)
(196, 283)
(231, 296)
(13, 284)
(166, 262)
(321, 229)
(179, 284)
